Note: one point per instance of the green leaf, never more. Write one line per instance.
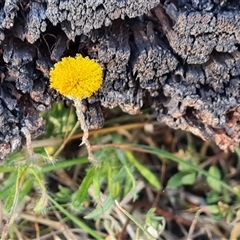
(226, 197)
(214, 179)
(181, 178)
(182, 167)
(116, 190)
(189, 178)
(63, 195)
(41, 204)
(9, 201)
(122, 158)
(115, 179)
(214, 209)
(26, 188)
(127, 186)
(154, 221)
(120, 175)
(16, 156)
(13, 198)
(97, 183)
(101, 209)
(175, 180)
(144, 171)
(82, 191)
(212, 197)
(110, 179)
(8, 185)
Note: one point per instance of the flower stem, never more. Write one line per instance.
(81, 119)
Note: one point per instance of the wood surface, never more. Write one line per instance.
(179, 57)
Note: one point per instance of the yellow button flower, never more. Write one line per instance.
(77, 78)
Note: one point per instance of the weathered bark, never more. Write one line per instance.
(180, 57)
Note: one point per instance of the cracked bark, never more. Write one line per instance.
(180, 57)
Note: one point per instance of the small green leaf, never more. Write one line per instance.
(117, 181)
(183, 167)
(154, 221)
(214, 209)
(176, 180)
(214, 179)
(144, 171)
(129, 171)
(110, 179)
(97, 184)
(26, 188)
(63, 195)
(212, 197)
(189, 178)
(101, 209)
(41, 204)
(226, 197)
(8, 185)
(120, 175)
(13, 198)
(116, 190)
(9, 201)
(127, 186)
(82, 191)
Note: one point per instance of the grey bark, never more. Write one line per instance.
(180, 57)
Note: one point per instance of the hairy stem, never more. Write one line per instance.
(81, 119)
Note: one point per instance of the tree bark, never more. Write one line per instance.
(180, 57)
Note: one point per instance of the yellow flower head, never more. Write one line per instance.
(77, 77)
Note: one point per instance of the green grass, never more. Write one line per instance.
(141, 185)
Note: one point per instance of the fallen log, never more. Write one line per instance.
(180, 57)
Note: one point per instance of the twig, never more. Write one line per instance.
(194, 223)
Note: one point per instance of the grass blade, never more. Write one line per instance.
(79, 223)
